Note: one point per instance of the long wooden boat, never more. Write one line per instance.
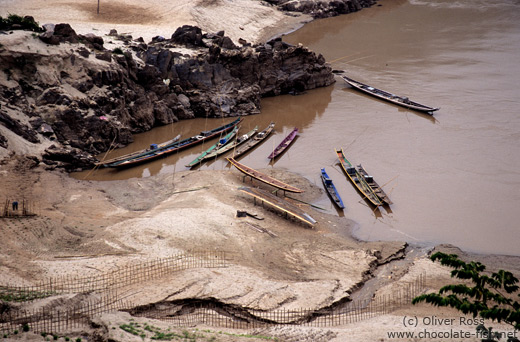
(228, 147)
(398, 100)
(257, 139)
(140, 152)
(286, 142)
(331, 189)
(279, 203)
(219, 144)
(185, 143)
(357, 179)
(263, 177)
(373, 184)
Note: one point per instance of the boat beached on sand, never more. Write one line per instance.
(384, 95)
(279, 203)
(254, 174)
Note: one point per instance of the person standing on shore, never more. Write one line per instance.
(15, 205)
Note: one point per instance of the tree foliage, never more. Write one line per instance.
(14, 21)
(490, 296)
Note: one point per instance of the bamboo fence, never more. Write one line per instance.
(116, 279)
(53, 320)
(23, 208)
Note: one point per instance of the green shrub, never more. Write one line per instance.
(23, 23)
(489, 295)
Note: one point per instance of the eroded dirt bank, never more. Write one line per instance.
(90, 228)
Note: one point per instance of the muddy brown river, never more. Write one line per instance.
(454, 177)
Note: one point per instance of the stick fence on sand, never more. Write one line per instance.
(50, 319)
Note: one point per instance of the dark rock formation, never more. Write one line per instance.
(71, 159)
(19, 128)
(48, 37)
(93, 41)
(65, 33)
(86, 106)
(104, 56)
(56, 34)
(3, 141)
(226, 80)
(187, 35)
(322, 9)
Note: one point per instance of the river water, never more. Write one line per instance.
(454, 177)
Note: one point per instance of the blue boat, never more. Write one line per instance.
(174, 147)
(331, 189)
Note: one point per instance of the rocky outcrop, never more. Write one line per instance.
(3, 141)
(87, 98)
(67, 158)
(322, 9)
(19, 128)
(227, 79)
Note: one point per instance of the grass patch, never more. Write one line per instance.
(158, 334)
(8, 295)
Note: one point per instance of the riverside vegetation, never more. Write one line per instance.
(490, 296)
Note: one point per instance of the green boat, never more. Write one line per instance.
(358, 180)
(228, 147)
(223, 141)
(174, 147)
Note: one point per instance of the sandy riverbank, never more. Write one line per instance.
(87, 227)
(250, 20)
